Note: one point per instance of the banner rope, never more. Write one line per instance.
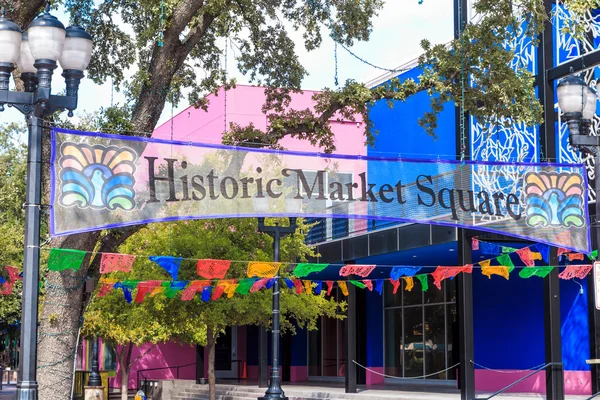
(442, 156)
(402, 377)
(508, 372)
(332, 264)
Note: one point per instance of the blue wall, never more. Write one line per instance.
(374, 334)
(575, 331)
(509, 322)
(299, 348)
(399, 131)
(399, 134)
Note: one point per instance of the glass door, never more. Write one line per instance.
(226, 359)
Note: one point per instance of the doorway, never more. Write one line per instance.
(226, 355)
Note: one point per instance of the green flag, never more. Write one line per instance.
(305, 269)
(358, 284)
(244, 285)
(505, 261)
(423, 278)
(528, 272)
(63, 259)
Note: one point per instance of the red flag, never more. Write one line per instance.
(212, 269)
(329, 287)
(359, 270)
(143, 288)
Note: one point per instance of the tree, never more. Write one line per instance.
(167, 47)
(12, 197)
(159, 318)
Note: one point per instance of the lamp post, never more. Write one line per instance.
(292, 207)
(36, 53)
(578, 102)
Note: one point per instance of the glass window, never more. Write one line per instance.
(326, 346)
(329, 334)
(415, 296)
(389, 298)
(393, 342)
(413, 341)
(418, 337)
(314, 351)
(435, 341)
(451, 290)
(433, 294)
(341, 343)
(452, 335)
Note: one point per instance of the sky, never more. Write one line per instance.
(397, 32)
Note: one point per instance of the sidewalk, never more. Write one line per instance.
(8, 392)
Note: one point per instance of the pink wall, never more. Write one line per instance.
(576, 382)
(162, 355)
(242, 105)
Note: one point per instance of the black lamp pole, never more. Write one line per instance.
(95, 379)
(35, 103)
(276, 232)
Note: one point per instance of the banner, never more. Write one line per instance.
(102, 181)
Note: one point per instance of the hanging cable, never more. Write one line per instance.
(462, 83)
(161, 32)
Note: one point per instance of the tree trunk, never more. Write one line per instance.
(125, 367)
(61, 314)
(60, 321)
(210, 344)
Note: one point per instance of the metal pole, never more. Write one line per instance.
(555, 389)
(350, 378)
(263, 363)
(95, 379)
(594, 314)
(466, 337)
(275, 391)
(27, 387)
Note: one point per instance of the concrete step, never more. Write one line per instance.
(225, 392)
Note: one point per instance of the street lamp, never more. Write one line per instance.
(292, 207)
(36, 53)
(578, 102)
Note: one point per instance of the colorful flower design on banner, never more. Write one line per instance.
(554, 199)
(97, 177)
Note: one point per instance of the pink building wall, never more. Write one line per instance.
(241, 105)
(161, 355)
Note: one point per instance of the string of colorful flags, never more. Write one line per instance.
(261, 275)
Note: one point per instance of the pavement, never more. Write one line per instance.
(8, 392)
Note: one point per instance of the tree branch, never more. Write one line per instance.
(142, 354)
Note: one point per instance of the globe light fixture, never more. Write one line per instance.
(572, 98)
(26, 65)
(10, 47)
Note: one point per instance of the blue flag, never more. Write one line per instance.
(319, 287)
(400, 271)
(206, 292)
(170, 264)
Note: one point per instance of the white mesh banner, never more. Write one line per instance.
(102, 181)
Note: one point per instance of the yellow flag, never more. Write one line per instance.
(344, 287)
(502, 271)
(262, 269)
(409, 281)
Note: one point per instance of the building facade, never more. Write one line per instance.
(501, 329)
